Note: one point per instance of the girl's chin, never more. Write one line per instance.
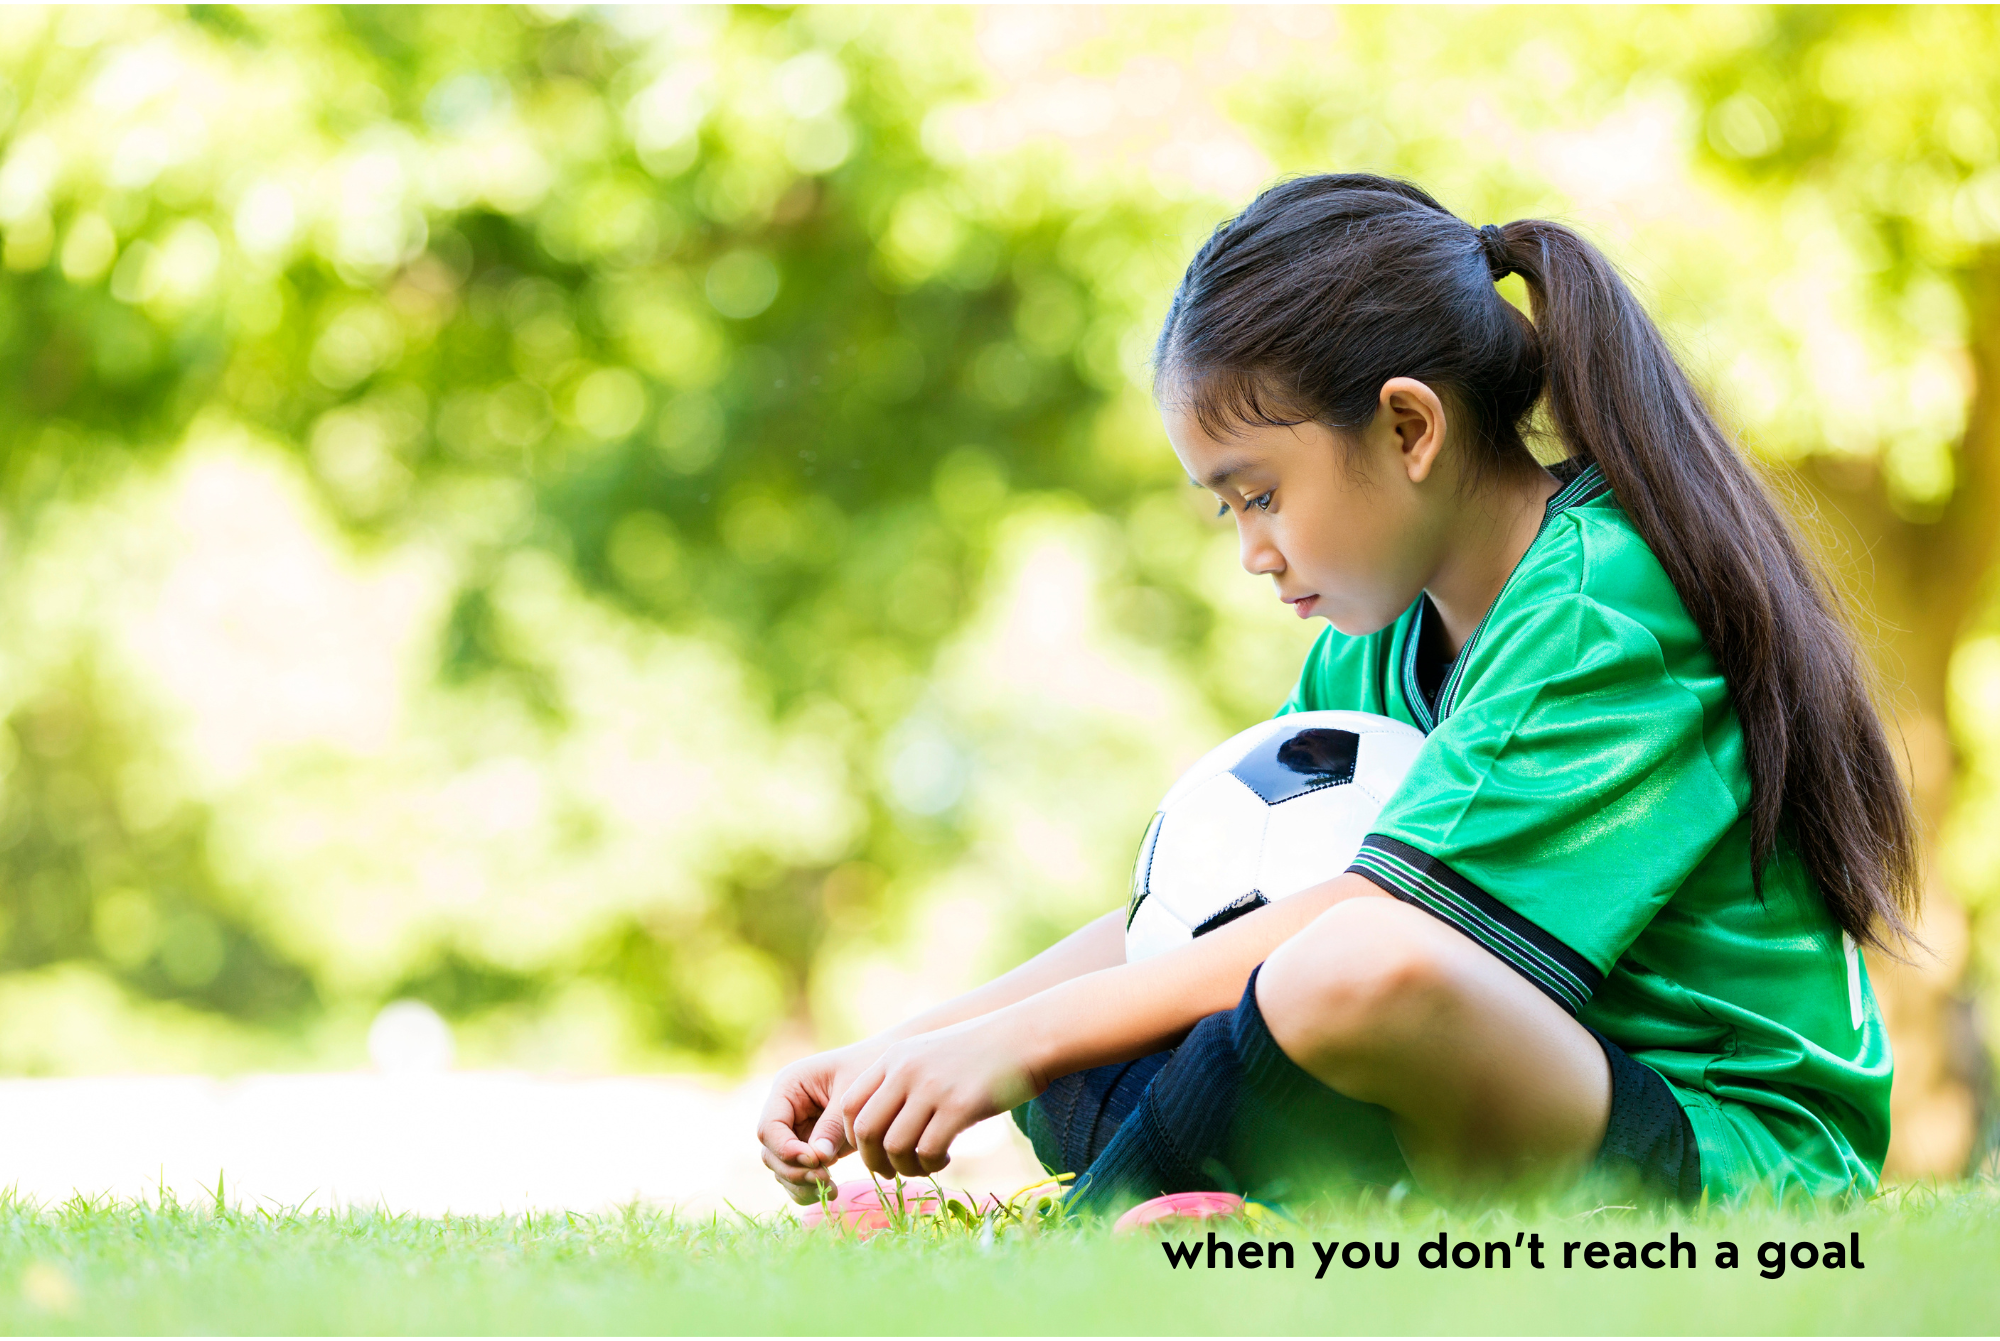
(1354, 623)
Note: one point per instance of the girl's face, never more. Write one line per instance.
(1350, 528)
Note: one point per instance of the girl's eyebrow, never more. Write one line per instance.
(1222, 474)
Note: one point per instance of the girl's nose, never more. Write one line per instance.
(1258, 555)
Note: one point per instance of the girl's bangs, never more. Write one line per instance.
(1225, 401)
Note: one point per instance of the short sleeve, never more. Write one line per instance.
(1564, 798)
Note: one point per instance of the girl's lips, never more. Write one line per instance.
(1303, 606)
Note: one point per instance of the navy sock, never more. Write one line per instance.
(1294, 1135)
(1171, 1141)
(1075, 1117)
(1231, 1112)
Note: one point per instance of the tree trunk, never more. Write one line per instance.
(1915, 587)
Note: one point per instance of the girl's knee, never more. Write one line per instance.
(1357, 976)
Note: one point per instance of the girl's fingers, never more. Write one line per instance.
(900, 1143)
(790, 1105)
(933, 1151)
(871, 1125)
(778, 1140)
(801, 1185)
(860, 1093)
(784, 1114)
(828, 1141)
(804, 1193)
(785, 1169)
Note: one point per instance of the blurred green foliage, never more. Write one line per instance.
(679, 300)
(705, 416)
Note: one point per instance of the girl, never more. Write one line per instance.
(1611, 917)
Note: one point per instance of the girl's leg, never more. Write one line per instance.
(1230, 1111)
(1072, 1121)
(1375, 1043)
(1485, 1079)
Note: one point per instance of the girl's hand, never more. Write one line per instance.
(904, 1111)
(800, 1131)
(801, 1139)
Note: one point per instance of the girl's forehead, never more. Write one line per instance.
(1222, 473)
(1211, 462)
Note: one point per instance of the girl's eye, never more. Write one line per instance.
(1262, 502)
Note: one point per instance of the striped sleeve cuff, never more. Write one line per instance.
(1417, 877)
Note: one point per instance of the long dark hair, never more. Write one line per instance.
(1325, 287)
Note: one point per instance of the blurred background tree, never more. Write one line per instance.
(597, 328)
(1881, 129)
(645, 530)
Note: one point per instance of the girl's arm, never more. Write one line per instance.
(1091, 947)
(800, 1134)
(903, 1111)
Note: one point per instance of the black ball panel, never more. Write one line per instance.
(1229, 912)
(1142, 869)
(1286, 766)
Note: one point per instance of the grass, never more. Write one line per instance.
(164, 1267)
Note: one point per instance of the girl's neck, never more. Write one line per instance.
(1490, 534)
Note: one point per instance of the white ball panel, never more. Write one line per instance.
(1312, 838)
(1208, 844)
(1153, 930)
(1383, 758)
(1218, 839)
(1223, 758)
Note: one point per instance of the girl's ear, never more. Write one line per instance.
(1413, 415)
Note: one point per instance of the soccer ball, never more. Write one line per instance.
(1269, 812)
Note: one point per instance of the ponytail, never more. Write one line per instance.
(1326, 287)
(1820, 766)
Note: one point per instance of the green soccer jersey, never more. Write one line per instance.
(1580, 807)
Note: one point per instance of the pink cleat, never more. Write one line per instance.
(1182, 1206)
(863, 1207)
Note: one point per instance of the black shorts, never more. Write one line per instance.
(1648, 1141)
(1649, 1148)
